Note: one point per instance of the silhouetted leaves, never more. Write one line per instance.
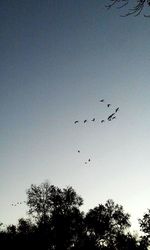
(57, 223)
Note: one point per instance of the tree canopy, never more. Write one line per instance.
(56, 222)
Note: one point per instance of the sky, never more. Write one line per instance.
(58, 60)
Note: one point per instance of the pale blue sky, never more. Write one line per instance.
(58, 59)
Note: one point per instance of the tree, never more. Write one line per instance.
(57, 214)
(145, 228)
(105, 223)
(45, 198)
(135, 10)
(145, 223)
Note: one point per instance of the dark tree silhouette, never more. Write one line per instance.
(136, 8)
(145, 228)
(105, 222)
(145, 223)
(57, 214)
(56, 223)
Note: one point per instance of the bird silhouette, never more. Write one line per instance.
(85, 121)
(102, 100)
(78, 151)
(89, 159)
(76, 122)
(117, 109)
(102, 121)
(110, 117)
(93, 120)
(108, 105)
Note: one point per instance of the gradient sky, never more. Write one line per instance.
(58, 59)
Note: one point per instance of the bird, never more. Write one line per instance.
(78, 151)
(76, 122)
(93, 120)
(110, 116)
(117, 109)
(89, 159)
(85, 121)
(102, 121)
(102, 100)
(108, 105)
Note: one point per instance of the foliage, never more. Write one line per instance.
(44, 199)
(58, 224)
(106, 222)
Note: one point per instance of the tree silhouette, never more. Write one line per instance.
(56, 223)
(57, 214)
(145, 228)
(105, 222)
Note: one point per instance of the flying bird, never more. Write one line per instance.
(108, 105)
(102, 121)
(93, 120)
(102, 100)
(117, 109)
(76, 122)
(78, 151)
(89, 159)
(110, 117)
(85, 121)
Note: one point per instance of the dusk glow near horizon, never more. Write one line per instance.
(58, 60)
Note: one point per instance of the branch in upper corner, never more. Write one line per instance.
(135, 10)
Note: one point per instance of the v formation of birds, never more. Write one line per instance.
(111, 117)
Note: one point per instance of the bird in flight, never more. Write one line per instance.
(76, 122)
(85, 121)
(117, 109)
(78, 151)
(108, 105)
(89, 159)
(110, 117)
(93, 120)
(102, 121)
(102, 100)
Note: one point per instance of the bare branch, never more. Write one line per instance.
(136, 10)
(113, 3)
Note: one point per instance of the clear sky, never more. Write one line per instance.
(58, 59)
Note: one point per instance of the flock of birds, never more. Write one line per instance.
(111, 117)
(17, 203)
